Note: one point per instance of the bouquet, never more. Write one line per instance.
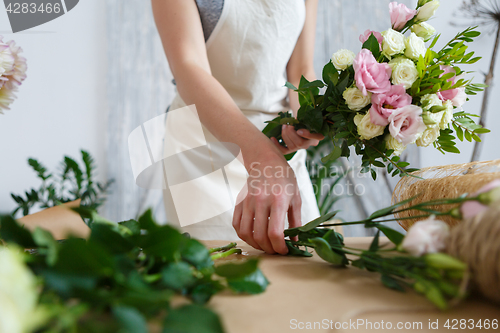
(12, 72)
(395, 92)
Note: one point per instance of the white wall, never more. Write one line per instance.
(483, 47)
(61, 106)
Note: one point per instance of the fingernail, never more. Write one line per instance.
(300, 132)
(283, 127)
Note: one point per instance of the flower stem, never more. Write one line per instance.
(225, 254)
(222, 248)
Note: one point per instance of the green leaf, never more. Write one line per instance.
(394, 236)
(326, 253)
(335, 154)
(388, 210)
(104, 235)
(330, 74)
(295, 251)
(147, 221)
(130, 319)
(374, 244)
(192, 319)
(290, 86)
(392, 283)
(311, 225)
(254, 283)
(132, 225)
(237, 270)
(44, 238)
(196, 254)
(178, 275)
(164, 241)
(373, 46)
(12, 232)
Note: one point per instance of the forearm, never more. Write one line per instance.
(220, 115)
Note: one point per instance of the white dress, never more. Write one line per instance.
(248, 52)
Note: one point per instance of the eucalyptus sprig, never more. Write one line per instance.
(124, 277)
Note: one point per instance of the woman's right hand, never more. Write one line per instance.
(272, 192)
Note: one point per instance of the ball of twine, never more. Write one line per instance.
(476, 242)
(449, 181)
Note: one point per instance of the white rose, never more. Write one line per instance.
(420, 3)
(366, 129)
(394, 42)
(394, 144)
(447, 114)
(404, 71)
(431, 118)
(423, 30)
(428, 136)
(342, 59)
(18, 290)
(415, 47)
(427, 236)
(430, 100)
(355, 99)
(427, 11)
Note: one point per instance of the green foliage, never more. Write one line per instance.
(126, 274)
(73, 182)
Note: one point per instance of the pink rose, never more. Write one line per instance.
(400, 14)
(405, 123)
(384, 104)
(488, 194)
(370, 75)
(457, 96)
(364, 37)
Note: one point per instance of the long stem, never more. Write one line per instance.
(225, 254)
(484, 107)
(222, 248)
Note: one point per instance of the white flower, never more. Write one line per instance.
(423, 30)
(355, 99)
(428, 136)
(18, 72)
(18, 293)
(447, 114)
(6, 98)
(422, 2)
(404, 71)
(430, 100)
(342, 59)
(366, 129)
(394, 42)
(427, 236)
(427, 11)
(6, 58)
(415, 47)
(394, 144)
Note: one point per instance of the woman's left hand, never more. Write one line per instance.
(295, 140)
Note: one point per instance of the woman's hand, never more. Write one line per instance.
(271, 193)
(295, 140)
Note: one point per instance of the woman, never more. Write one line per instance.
(234, 73)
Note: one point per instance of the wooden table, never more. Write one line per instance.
(308, 292)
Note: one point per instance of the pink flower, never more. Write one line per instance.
(364, 37)
(405, 123)
(400, 14)
(384, 104)
(427, 236)
(457, 96)
(488, 194)
(370, 75)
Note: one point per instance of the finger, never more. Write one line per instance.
(308, 135)
(283, 150)
(261, 224)
(291, 143)
(294, 215)
(297, 140)
(238, 210)
(276, 228)
(247, 226)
